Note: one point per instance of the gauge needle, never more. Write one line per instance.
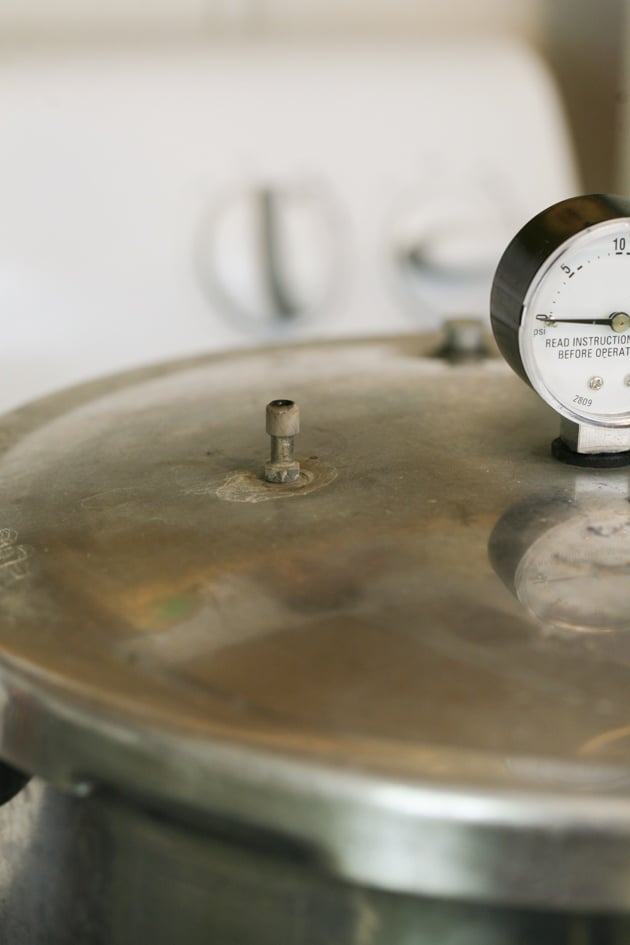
(618, 321)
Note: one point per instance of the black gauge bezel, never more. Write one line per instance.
(529, 251)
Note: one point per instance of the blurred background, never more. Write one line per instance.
(183, 175)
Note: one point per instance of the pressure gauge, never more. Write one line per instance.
(560, 310)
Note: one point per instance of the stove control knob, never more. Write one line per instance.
(445, 246)
(269, 257)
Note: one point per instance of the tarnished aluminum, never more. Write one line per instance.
(413, 662)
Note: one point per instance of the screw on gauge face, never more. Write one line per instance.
(627, 380)
(283, 425)
(596, 382)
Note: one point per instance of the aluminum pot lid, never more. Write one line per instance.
(413, 663)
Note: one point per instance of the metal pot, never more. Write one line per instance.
(375, 705)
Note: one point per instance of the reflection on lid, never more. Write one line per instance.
(570, 559)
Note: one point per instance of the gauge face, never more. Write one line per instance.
(574, 334)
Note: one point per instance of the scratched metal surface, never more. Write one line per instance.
(421, 647)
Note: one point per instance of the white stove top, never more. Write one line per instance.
(156, 203)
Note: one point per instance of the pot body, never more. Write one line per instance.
(97, 871)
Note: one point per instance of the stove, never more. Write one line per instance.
(164, 201)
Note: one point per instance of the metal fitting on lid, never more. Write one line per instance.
(283, 425)
(283, 418)
(464, 340)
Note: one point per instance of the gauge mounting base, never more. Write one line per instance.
(562, 452)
